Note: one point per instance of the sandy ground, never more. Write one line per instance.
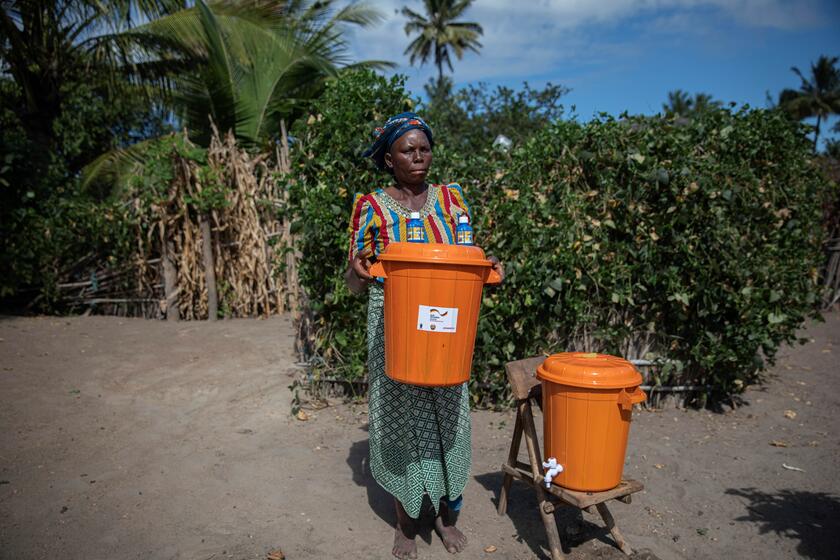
(152, 440)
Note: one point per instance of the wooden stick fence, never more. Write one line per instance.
(234, 259)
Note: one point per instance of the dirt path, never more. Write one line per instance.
(153, 440)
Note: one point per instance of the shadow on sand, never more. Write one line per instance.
(522, 510)
(813, 518)
(380, 501)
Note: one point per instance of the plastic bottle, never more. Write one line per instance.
(414, 230)
(464, 232)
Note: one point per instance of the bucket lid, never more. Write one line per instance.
(583, 369)
(434, 253)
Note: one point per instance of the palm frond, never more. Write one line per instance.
(114, 166)
(380, 65)
(361, 14)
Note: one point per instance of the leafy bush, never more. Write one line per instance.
(697, 241)
(327, 171)
(48, 220)
(693, 240)
(469, 119)
(60, 235)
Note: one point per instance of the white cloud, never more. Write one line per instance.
(524, 39)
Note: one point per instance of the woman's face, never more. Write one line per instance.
(410, 158)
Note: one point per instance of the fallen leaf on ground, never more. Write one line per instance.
(302, 415)
(778, 443)
(791, 468)
(790, 414)
(659, 466)
(814, 443)
(318, 404)
(275, 554)
(490, 549)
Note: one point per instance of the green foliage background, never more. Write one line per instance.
(49, 222)
(697, 240)
(326, 173)
(701, 237)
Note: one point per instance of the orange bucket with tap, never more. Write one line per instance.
(588, 401)
(432, 302)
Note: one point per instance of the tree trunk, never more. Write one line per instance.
(817, 133)
(439, 61)
(292, 256)
(209, 268)
(170, 283)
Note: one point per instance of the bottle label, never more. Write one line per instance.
(464, 237)
(415, 233)
(437, 319)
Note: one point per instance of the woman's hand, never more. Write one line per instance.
(358, 272)
(498, 267)
(361, 264)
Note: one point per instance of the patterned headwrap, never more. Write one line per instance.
(394, 127)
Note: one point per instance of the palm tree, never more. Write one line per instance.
(704, 102)
(682, 104)
(47, 44)
(440, 32)
(243, 64)
(256, 66)
(253, 66)
(818, 94)
(679, 103)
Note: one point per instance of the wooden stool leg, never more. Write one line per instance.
(616, 534)
(550, 526)
(514, 453)
(534, 456)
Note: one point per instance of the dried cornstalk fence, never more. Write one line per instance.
(235, 258)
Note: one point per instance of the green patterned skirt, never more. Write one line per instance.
(419, 436)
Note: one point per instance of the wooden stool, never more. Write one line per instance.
(525, 387)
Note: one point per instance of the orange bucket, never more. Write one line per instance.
(587, 406)
(432, 302)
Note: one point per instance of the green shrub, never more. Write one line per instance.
(53, 238)
(50, 237)
(695, 240)
(49, 222)
(327, 171)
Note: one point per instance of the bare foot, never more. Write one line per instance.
(453, 539)
(404, 545)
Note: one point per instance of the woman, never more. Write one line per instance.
(419, 436)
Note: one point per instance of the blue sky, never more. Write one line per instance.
(619, 55)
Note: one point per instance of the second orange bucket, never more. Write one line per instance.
(432, 301)
(588, 400)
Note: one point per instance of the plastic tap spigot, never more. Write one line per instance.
(553, 468)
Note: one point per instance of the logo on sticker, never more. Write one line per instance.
(438, 319)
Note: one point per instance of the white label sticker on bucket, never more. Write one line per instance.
(437, 319)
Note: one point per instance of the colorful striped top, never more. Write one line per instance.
(377, 219)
